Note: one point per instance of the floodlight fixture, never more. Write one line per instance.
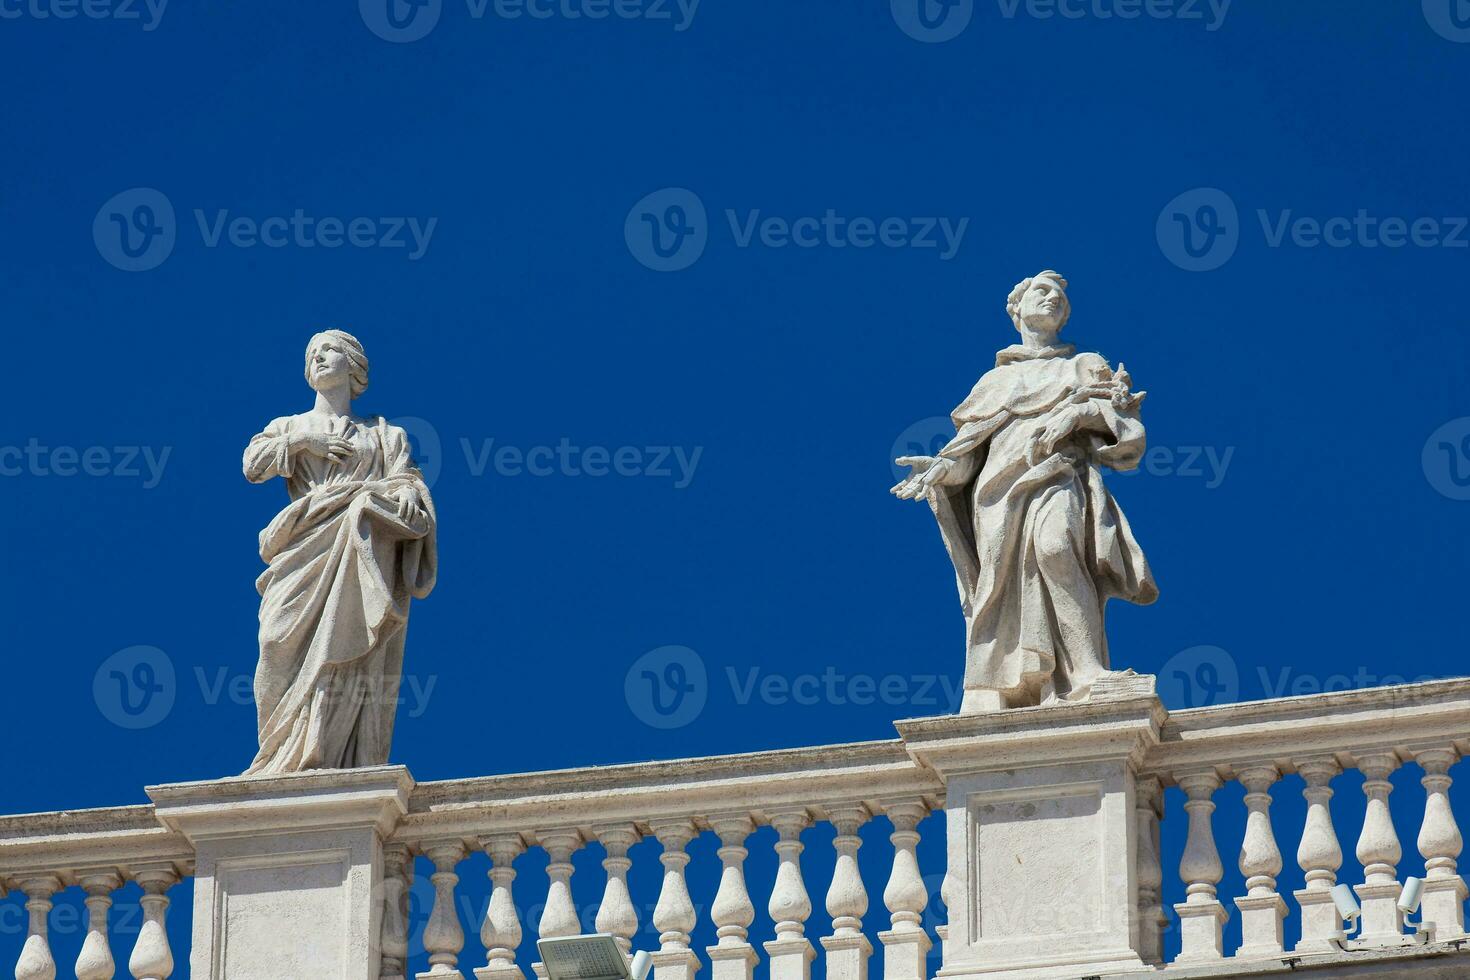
(591, 957)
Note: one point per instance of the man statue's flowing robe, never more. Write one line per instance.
(343, 567)
(1038, 543)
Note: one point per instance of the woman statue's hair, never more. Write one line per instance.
(352, 348)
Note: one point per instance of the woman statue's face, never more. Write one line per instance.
(1044, 306)
(329, 366)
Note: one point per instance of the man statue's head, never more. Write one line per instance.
(1038, 305)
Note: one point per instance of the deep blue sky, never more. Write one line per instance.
(1323, 552)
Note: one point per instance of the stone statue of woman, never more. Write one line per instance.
(345, 558)
(1037, 541)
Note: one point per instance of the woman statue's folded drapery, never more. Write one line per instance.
(1038, 543)
(345, 558)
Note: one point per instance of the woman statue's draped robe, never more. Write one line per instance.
(343, 567)
(1038, 543)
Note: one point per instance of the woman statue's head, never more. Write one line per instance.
(334, 357)
(1038, 305)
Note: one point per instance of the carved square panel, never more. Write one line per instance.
(1038, 859)
(286, 916)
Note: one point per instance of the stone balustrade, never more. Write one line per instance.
(1316, 738)
(672, 803)
(96, 851)
(1101, 780)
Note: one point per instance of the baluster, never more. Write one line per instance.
(397, 876)
(905, 943)
(1319, 856)
(847, 900)
(1201, 916)
(36, 962)
(443, 935)
(95, 960)
(152, 957)
(1378, 851)
(951, 892)
(616, 914)
(1443, 903)
(673, 916)
(1262, 909)
(559, 917)
(790, 953)
(732, 957)
(1148, 801)
(501, 932)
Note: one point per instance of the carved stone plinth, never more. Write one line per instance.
(289, 870)
(1043, 835)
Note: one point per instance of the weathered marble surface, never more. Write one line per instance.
(346, 557)
(289, 878)
(1038, 543)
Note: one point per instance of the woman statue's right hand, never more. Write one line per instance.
(928, 473)
(327, 445)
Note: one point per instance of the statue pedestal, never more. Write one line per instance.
(288, 870)
(1043, 834)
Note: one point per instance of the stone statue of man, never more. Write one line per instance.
(347, 555)
(1038, 543)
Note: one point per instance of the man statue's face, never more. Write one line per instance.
(1044, 306)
